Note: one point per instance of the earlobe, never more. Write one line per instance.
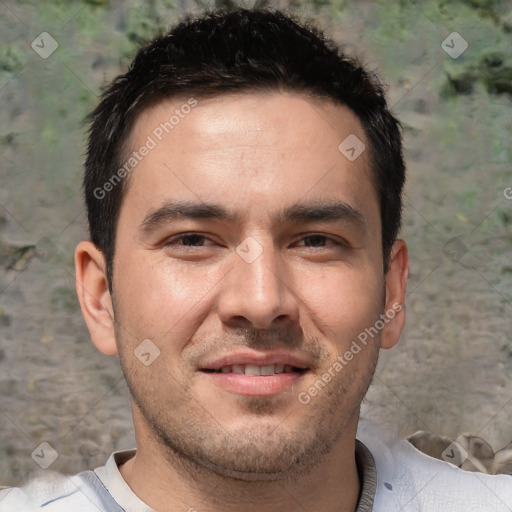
(396, 287)
(94, 296)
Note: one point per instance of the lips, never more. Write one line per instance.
(256, 363)
(253, 369)
(256, 373)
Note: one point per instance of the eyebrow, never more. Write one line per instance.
(316, 211)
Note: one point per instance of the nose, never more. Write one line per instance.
(258, 294)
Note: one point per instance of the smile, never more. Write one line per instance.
(257, 370)
(255, 373)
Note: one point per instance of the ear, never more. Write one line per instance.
(396, 286)
(94, 296)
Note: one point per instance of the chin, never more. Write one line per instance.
(258, 471)
(264, 475)
(254, 455)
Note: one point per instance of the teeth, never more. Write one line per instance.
(267, 370)
(253, 369)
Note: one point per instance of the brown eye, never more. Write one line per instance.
(316, 240)
(319, 241)
(189, 240)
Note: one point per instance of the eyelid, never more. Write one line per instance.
(337, 241)
(174, 238)
(331, 238)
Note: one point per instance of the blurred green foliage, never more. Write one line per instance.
(12, 58)
(489, 61)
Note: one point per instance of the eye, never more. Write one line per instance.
(317, 240)
(189, 240)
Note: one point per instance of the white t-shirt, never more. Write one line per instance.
(410, 481)
(395, 477)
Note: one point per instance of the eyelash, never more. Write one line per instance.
(171, 241)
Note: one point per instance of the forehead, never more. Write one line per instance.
(254, 151)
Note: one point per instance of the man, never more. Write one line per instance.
(243, 184)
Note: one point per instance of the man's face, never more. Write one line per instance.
(280, 286)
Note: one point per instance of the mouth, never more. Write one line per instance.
(256, 370)
(256, 374)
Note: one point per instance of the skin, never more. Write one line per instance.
(200, 445)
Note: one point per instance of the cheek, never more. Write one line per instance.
(343, 302)
(157, 300)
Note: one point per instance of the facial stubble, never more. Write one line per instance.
(191, 438)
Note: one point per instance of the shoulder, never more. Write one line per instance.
(53, 492)
(443, 485)
(410, 480)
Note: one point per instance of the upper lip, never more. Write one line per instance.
(256, 358)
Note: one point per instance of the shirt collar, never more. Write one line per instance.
(367, 476)
(112, 479)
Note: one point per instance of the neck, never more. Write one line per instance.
(166, 482)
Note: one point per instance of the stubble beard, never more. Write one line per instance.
(191, 439)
